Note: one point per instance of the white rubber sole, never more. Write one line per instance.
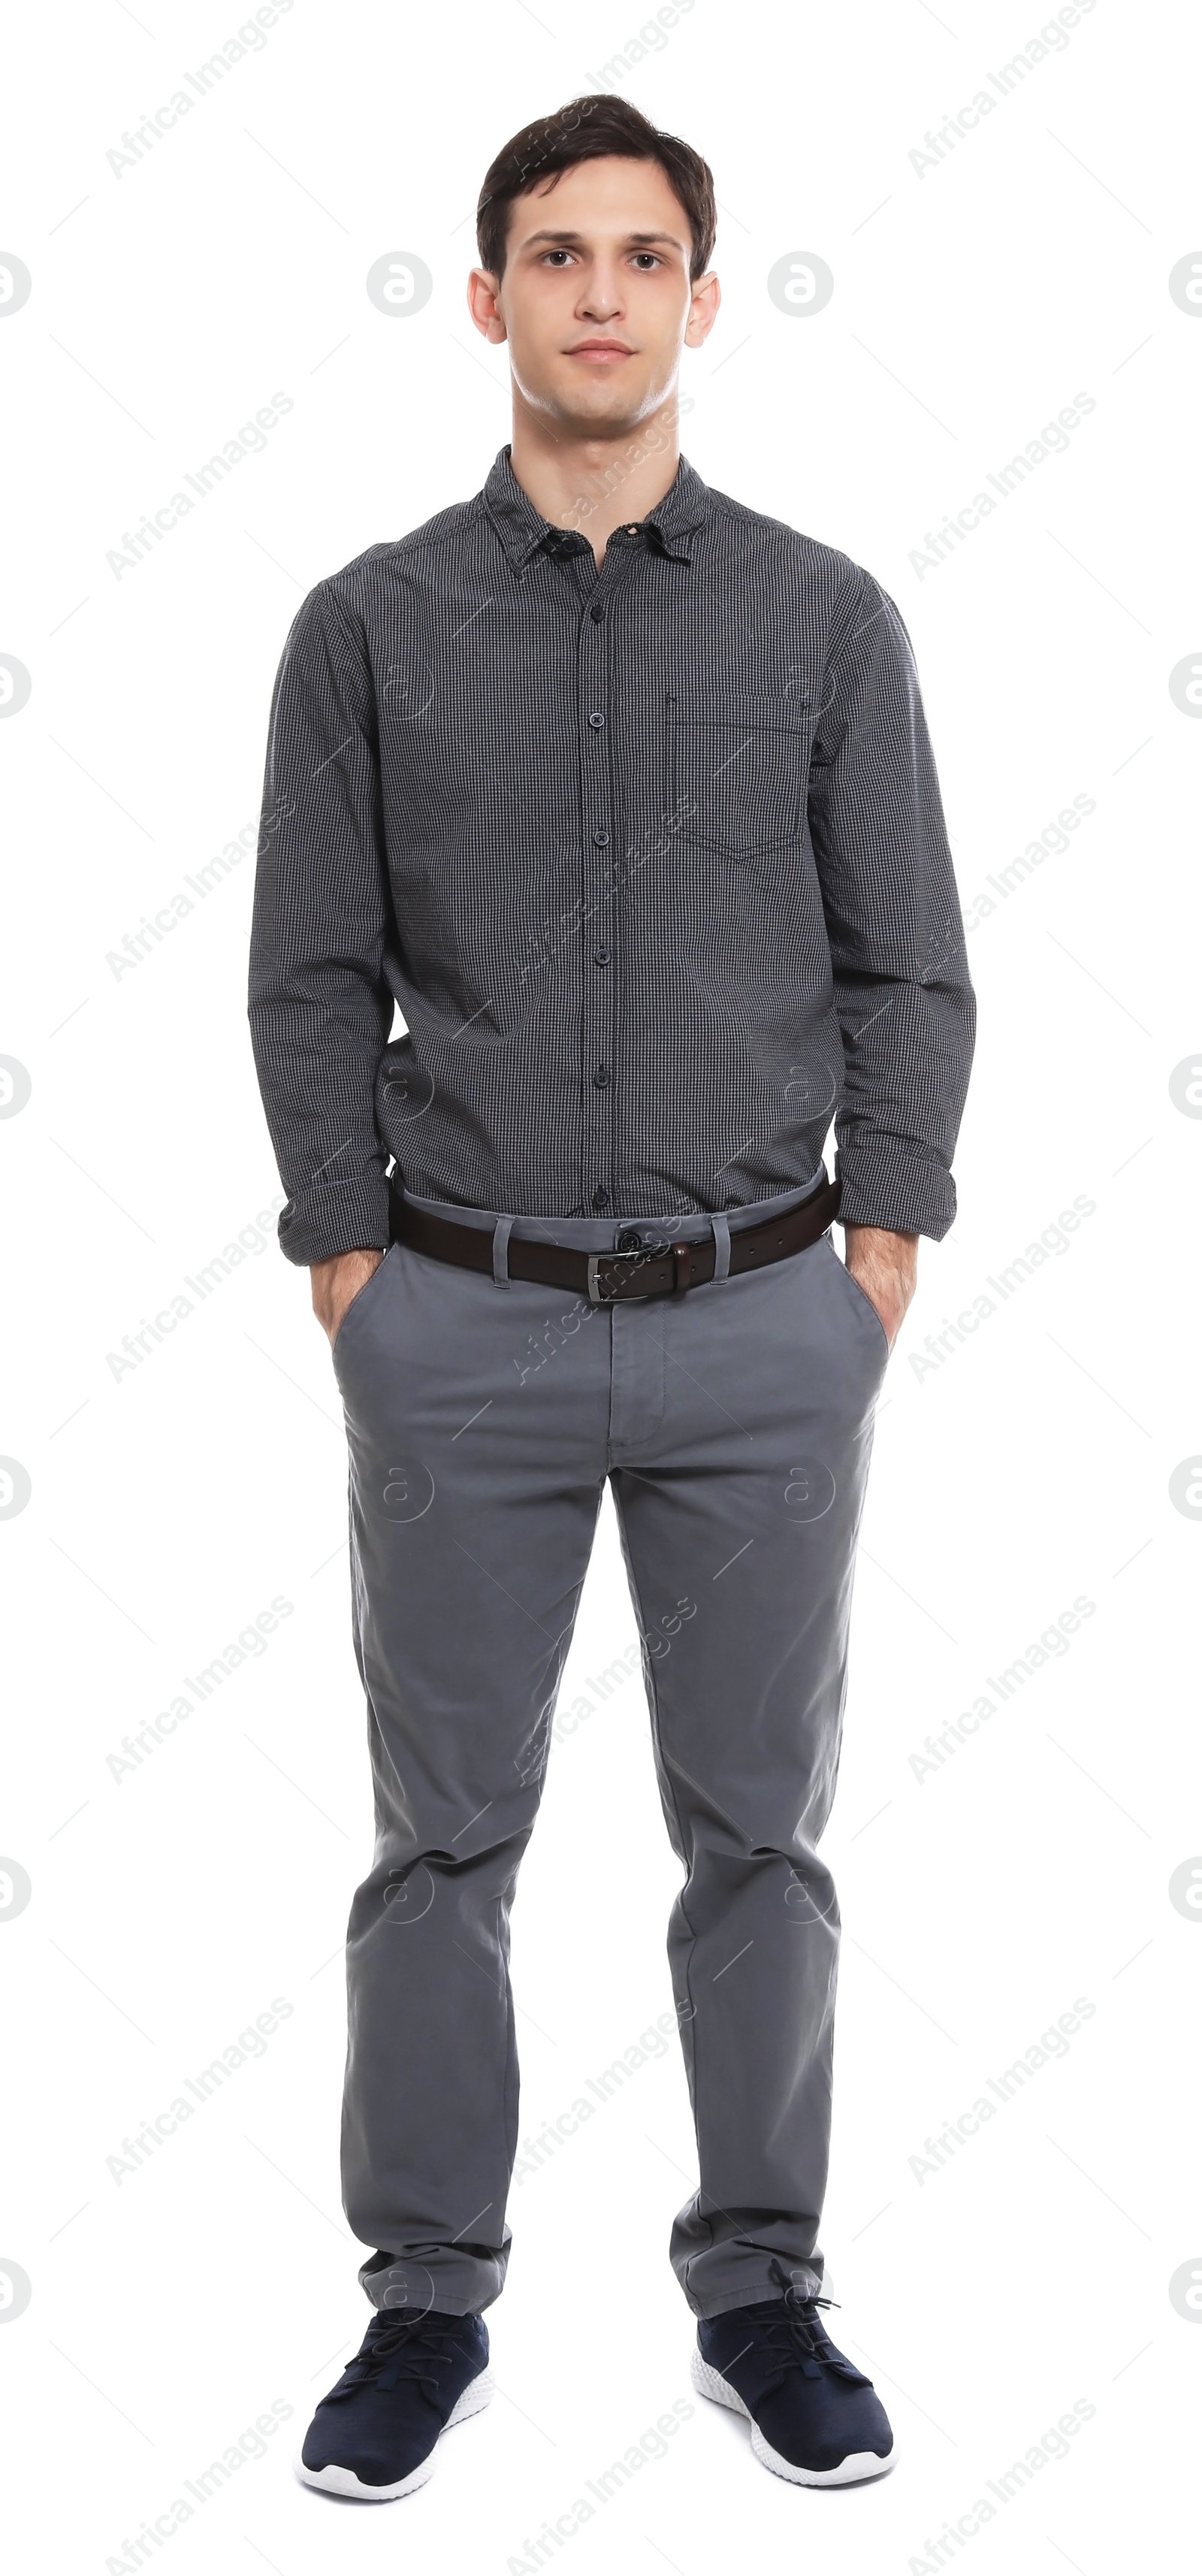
(343, 2482)
(858, 2464)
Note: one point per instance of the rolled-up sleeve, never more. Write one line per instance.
(320, 1003)
(905, 1004)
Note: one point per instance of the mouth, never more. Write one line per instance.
(600, 351)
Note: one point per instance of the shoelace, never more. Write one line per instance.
(402, 2343)
(799, 2337)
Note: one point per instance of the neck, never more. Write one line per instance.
(595, 483)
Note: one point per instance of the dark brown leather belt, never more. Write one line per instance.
(647, 1264)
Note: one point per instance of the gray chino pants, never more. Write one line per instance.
(735, 1425)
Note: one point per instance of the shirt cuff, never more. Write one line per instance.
(887, 1186)
(350, 1215)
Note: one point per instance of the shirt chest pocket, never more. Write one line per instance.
(737, 769)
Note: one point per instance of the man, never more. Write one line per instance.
(622, 792)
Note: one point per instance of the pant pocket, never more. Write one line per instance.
(861, 1299)
(359, 1300)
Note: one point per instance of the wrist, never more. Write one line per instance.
(882, 1246)
(359, 1252)
(884, 1263)
(336, 1282)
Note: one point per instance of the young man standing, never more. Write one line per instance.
(622, 792)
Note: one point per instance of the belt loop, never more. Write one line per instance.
(721, 1226)
(500, 1250)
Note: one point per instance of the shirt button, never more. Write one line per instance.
(602, 840)
(601, 1077)
(596, 614)
(602, 956)
(596, 722)
(600, 1201)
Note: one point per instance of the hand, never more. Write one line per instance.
(337, 1282)
(885, 1266)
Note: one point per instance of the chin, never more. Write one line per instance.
(603, 400)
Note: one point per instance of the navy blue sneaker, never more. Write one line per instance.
(375, 2435)
(814, 2417)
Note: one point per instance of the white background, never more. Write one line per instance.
(1032, 1465)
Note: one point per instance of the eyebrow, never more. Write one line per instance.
(568, 239)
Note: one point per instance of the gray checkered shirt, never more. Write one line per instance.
(651, 859)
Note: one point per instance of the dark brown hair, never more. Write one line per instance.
(585, 130)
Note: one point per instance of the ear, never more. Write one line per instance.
(703, 310)
(483, 292)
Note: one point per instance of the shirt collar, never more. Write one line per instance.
(523, 529)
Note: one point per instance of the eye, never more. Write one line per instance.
(650, 255)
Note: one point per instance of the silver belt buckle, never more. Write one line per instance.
(594, 1258)
(636, 1252)
(595, 1296)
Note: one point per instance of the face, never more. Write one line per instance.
(595, 302)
